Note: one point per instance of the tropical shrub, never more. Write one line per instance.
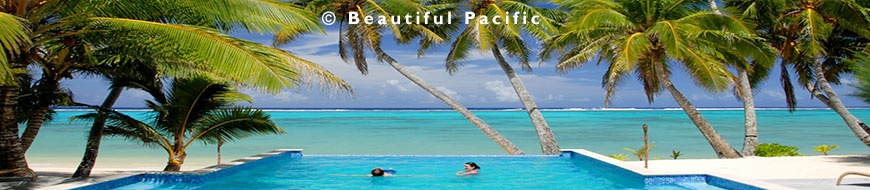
(640, 151)
(675, 154)
(825, 148)
(621, 156)
(776, 150)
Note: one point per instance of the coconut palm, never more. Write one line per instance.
(191, 28)
(814, 37)
(641, 36)
(134, 75)
(749, 73)
(196, 110)
(482, 35)
(356, 39)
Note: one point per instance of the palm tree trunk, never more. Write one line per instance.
(744, 89)
(220, 143)
(92, 149)
(720, 146)
(176, 165)
(549, 145)
(37, 118)
(833, 101)
(505, 144)
(750, 137)
(11, 153)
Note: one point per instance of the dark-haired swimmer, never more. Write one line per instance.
(471, 168)
(380, 172)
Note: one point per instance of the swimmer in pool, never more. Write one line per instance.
(380, 172)
(471, 168)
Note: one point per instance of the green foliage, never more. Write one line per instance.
(775, 150)
(640, 151)
(636, 38)
(675, 154)
(861, 65)
(621, 156)
(804, 30)
(825, 148)
(193, 110)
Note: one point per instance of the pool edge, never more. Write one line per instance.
(195, 176)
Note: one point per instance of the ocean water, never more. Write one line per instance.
(334, 172)
(422, 132)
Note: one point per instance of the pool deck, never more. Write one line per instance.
(806, 172)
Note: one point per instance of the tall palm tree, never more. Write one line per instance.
(191, 28)
(196, 109)
(749, 73)
(480, 34)
(641, 36)
(357, 38)
(813, 37)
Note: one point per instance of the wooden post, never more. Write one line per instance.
(645, 147)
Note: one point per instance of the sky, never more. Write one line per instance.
(479, 83)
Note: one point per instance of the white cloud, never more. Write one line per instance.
(775, 94)
(290, 97)
(449, 92)
(551, 97)
(503, 93)
(397, 84)
(701, 97)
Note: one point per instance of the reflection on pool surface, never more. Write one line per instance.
(430, 172)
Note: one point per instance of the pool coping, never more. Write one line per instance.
(649, 177)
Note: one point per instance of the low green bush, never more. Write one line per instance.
(775, 150)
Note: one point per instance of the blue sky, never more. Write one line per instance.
(479, 83)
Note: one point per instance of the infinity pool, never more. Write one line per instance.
(428, 172)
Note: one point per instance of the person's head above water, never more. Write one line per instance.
(377, 172)
(471, 166)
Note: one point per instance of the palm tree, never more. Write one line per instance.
(195, 110)
(813, 37)
(479, 34)
(640, 36)
(191, 29)
(135, 75)
(760, 61)
(357, 38)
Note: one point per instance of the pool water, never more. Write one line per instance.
(426, 172)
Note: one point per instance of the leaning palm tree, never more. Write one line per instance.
(192, 29)
(813, 37)
(123, 75)
(751, 69)
(358, 38)
(196, 110)
(641, 36)
(482, 35)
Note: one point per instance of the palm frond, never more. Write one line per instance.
(233, 124)
(13, 36)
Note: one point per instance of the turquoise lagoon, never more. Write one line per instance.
(443, 132)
